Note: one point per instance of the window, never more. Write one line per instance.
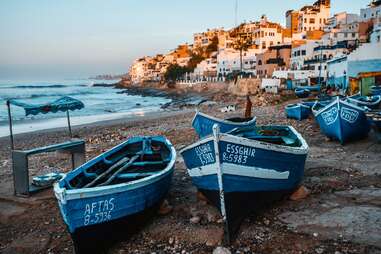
(353, 35)
(305, 20)
(345, 35)
(260, 62)
(304, 53)
(312, 21)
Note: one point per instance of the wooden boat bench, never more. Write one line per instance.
(20, 163)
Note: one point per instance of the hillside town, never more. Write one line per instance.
(315, 46)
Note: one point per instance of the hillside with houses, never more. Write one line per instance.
(315, 46)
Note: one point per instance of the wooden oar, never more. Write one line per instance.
(119, 163)
(124, 167)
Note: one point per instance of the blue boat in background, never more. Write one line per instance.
(302, 93)
(375, 119)
(203, 124)
(298, 111)
(341, 120)
(372, 102)
(310, 88)
(375, 90)
(247, 168)
(104, 197)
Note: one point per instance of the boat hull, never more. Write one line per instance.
(92, 239)
(375, 120)
(253, 172)
(91, 213)
(239, 205)
(87, 217)
(302, 93)
(298, 111)
(203, 124)
(372, 102)
(342, 121)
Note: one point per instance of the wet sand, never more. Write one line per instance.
(342, 214)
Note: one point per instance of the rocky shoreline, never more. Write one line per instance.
(339, 214)
(180, 98)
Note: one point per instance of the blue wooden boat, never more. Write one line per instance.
(372, 102)
(375, 119)
(246, 169)
(310, 88)
(308, 103)
(298, 111)
(102, 198)
(203, 123)
(375, 90)
(341, 120)
(302, 93)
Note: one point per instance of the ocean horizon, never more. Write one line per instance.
(102, 103)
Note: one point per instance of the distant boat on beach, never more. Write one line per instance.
(103, 198)
(372, 102)
(247, 168)
(298, 111)
(341, 120)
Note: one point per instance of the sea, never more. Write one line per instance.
(102, 103)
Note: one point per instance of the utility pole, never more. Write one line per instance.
(321, 66)
(236, 14)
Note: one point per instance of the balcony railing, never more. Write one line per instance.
(277, 61)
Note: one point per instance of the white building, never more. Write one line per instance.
(342, 18)
(301, 53)
(206, 68)
(372, 11)
(321, 55)
(366, 58)
(309, 18)
(268, 34)
(337, 72)
(228, 61)
(376, 35)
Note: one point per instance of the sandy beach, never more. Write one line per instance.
(341, 214)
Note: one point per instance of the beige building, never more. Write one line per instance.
(309, 18)
(276, 57)
(205, 38)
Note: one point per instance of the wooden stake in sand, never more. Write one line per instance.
(249, 105)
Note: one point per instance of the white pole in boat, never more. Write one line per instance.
(216, 134)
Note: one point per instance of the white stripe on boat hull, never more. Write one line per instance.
(239, 170)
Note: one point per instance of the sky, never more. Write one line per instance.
(79, 38)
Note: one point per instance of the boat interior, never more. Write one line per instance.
(239, 119)
(279, 135)
(131, 162)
